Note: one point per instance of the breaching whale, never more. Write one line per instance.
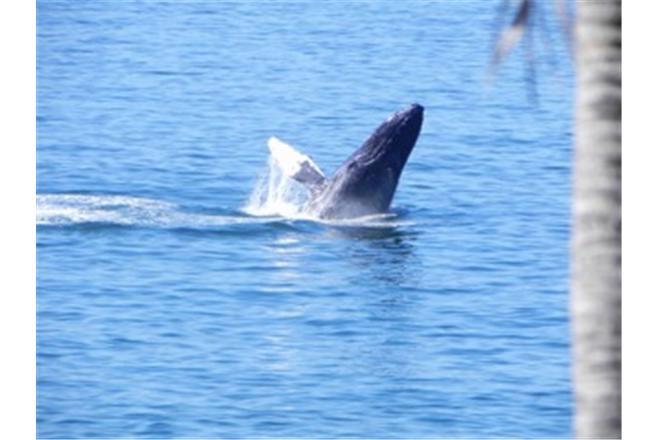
(365, 183)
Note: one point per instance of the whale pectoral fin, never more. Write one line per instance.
(296, 165)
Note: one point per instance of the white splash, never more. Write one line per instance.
(71, 209)
(275, 194)
(55, 209)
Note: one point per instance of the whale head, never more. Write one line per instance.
(365, 183)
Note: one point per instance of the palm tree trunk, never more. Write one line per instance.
(596, 240)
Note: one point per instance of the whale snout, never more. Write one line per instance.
(410, 113)
(415, 109)
(406, 125)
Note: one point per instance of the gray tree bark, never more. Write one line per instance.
(596, 239)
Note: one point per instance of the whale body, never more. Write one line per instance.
(365, 183)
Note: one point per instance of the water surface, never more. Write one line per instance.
(165, 310)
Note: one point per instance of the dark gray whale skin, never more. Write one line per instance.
(365, 183)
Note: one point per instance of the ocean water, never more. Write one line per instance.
(178, 294)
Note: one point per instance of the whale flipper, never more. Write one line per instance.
(296, 165)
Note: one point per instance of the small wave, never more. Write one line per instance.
(73, 209)
(385, 220)
(62, 209)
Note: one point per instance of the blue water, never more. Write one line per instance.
(165, 310)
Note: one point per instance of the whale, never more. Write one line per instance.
(365, 183)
